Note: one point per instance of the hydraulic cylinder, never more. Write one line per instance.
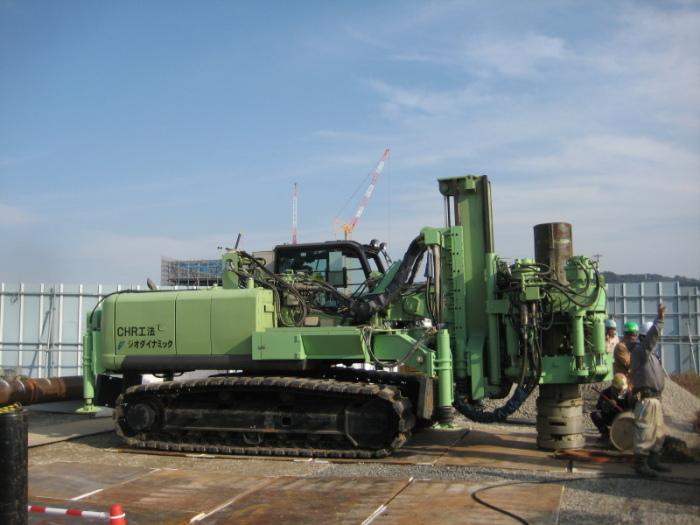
(599, 335)
(578, 343)
(443, 366)
(88, 377)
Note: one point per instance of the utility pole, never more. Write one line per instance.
(295, 213)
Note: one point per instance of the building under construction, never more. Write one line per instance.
(199, 272)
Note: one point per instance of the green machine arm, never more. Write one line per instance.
(535, 321)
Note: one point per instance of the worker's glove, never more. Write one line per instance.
(661, 312)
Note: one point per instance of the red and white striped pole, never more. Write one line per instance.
(348, 228)
(116, 515)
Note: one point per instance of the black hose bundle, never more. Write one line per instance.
(365, 307)
(497, 416)
(526, 384)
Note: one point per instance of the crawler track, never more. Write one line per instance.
(280, 416)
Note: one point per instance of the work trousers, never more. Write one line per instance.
(602, 422)
(649, 428)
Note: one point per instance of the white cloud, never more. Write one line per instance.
(15, 216)
(603, 134)
(600, 154)
(364, 37)
(340, 135)
(427, 58)
(515, 56)
(654, 54)
(117, 257)
(399, 99)
(598, 127)
(635, 230)
(7, 161)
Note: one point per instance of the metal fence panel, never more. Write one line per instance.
(41, 325)
(638, 302)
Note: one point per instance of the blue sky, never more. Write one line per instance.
(131, 130)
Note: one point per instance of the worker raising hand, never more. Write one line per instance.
(661, 312)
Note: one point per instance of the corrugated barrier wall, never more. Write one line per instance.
(41, 325)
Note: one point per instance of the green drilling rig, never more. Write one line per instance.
(331, 350)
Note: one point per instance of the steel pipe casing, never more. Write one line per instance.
(554, 246)
(28, 391)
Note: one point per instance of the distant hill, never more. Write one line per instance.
(612, 277)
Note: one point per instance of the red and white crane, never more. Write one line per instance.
(350, 226)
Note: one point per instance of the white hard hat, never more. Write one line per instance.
(610, 323)
(645, 328)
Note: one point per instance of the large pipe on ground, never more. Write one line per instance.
(44, 390)
(559, 406)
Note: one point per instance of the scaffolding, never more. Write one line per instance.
(199, 272)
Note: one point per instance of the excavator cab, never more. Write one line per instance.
(345, 265)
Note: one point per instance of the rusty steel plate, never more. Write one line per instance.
(179, 490)
(66, 479)
(452, 502)
(502, 449)
(310, 501)
(134, 515)
(623, 466)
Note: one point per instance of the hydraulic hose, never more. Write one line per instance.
(365, 307)
(521, 393)
(497, 416)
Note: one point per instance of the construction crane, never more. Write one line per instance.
(295, 213)
(350, 226)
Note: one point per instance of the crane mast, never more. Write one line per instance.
(349, 227)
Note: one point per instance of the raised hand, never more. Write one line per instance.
(661, 312)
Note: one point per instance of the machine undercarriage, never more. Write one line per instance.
(269, 415)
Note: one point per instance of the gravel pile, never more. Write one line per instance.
(680, 409)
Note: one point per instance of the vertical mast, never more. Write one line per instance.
(295, 213)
